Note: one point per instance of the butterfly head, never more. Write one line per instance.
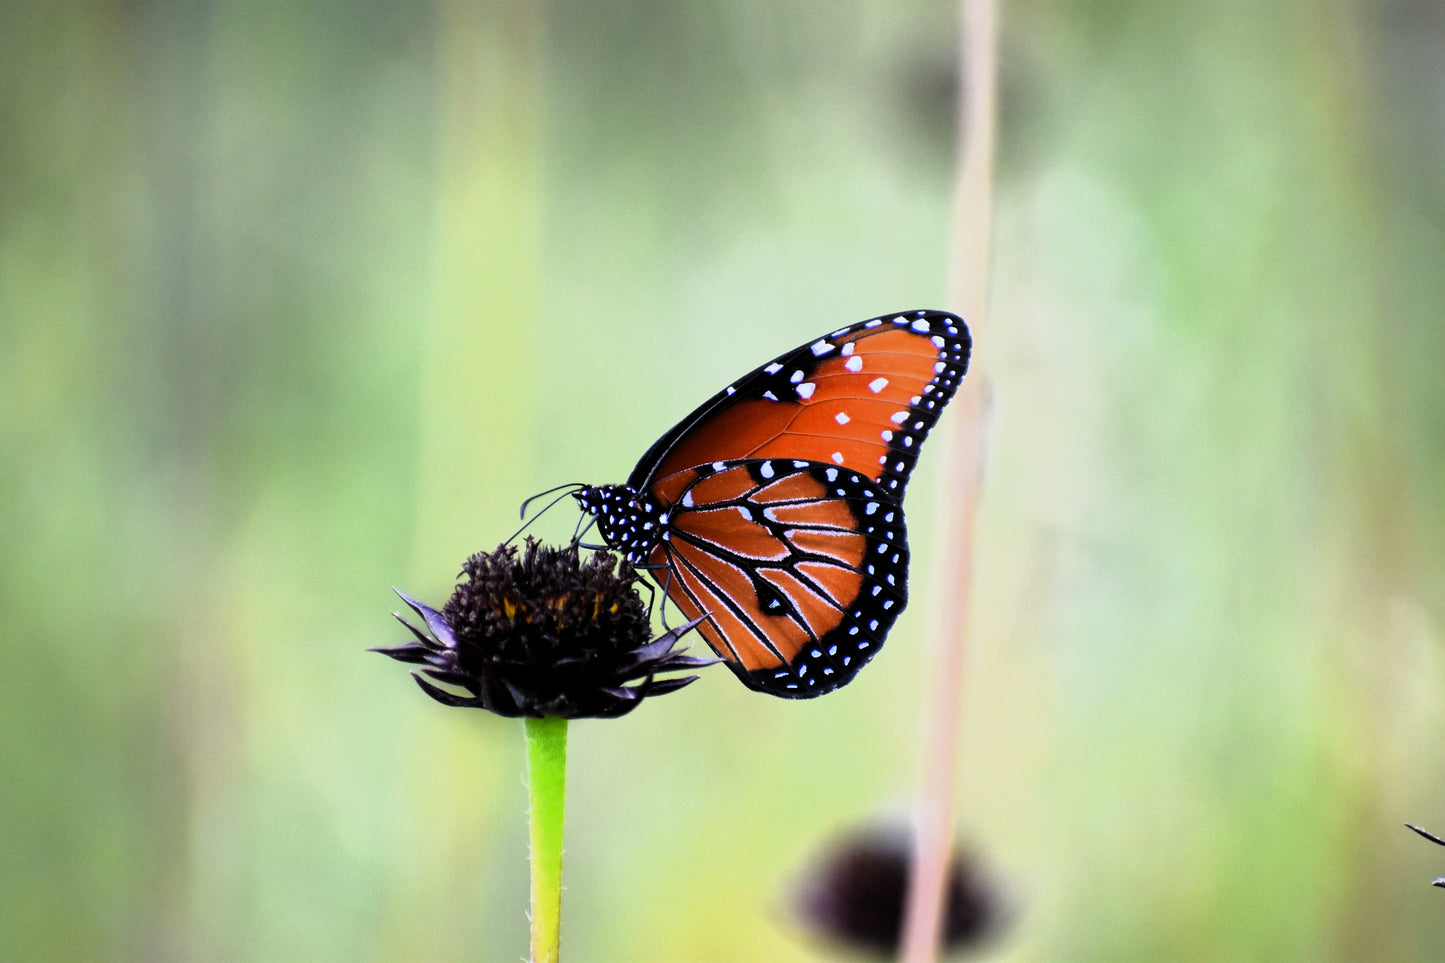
(629, 521)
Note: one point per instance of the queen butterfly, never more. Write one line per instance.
(774, 512)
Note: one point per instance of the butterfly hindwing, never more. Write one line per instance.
(800, 569)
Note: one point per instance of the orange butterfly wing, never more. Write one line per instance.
(798, 568)
(862, 398)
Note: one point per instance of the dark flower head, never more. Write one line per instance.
(546, 634)
(855, 895)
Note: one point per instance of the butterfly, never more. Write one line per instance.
(774, 512)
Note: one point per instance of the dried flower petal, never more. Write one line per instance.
(1434, 839)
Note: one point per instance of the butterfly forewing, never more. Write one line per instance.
(863, 398)
(799, 568)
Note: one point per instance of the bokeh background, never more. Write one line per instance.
(298, 300)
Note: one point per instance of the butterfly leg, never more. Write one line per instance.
(666, 590)
(584, 525)
(652, 591)
(666, 587)
(651, 596)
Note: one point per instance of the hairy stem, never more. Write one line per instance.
(546, 789)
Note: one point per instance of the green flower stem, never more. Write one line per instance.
(547, 789)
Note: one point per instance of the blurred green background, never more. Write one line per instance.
(299, 300)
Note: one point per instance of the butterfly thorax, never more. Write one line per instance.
(630, 522)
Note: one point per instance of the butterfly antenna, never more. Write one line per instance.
(572, 485)
(565, 489)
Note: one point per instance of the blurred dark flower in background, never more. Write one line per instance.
(544, 634)
(854, 896)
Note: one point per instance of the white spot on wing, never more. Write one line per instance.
(766, 470)
(773, 368)
(838, 457)
(877, 385)
(841, 418)
(854, 363)
(821, 348)
(805, 390)
(898, 417)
